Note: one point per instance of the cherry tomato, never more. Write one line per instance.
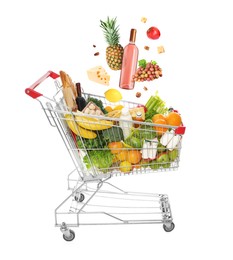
(153, 33)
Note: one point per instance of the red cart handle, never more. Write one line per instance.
(180, 130)
(34, 94)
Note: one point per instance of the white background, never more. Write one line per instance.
(37, 36)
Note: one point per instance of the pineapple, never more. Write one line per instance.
(114, 52)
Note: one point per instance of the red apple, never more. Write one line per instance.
(153, 33)
(145, 109)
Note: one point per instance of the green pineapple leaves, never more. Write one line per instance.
(111, 31)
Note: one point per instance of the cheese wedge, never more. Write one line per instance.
(160, 49)
(99, 75)
(133, 112)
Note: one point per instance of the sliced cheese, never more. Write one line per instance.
(99, 75)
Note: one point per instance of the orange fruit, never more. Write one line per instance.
(115, 147)
(136, 166)
(174, 119)
(159, 129)
(122, 156)
(115, 159)
(108, 109)
(158, 116)
(134, 156)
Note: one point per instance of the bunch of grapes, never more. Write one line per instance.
(147, 72)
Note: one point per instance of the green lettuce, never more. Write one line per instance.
(101, 159)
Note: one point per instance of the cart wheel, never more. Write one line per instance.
(71, 237)
(82, 197)
(170, 228)
(79, 197)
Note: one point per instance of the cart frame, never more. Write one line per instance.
(92, 195)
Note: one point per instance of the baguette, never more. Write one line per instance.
(67, 82)
(64, 79)
(72, 86)
(69, 91)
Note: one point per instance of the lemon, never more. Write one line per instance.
(113, 95)
(125, 166)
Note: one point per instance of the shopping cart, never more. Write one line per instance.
(92, 147)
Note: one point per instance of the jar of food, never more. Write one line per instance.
(139, 118)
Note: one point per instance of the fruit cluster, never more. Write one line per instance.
(147, 72)
(126, 159)
(172, 119)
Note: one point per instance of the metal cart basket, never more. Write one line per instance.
(99, 151)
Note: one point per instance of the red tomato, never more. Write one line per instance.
(153, 33)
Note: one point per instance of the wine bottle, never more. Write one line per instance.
(129, 63)
(80, 101)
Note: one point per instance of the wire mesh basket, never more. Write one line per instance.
(105, 151)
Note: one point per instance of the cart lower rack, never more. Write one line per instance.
(101, 203)
(91, 142)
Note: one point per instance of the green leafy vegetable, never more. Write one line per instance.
(147, 132)
(113, 134)
(144, 132)
(101, 159)
(155, 105)
(153, 62)
(88, 144)
(135, 142)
